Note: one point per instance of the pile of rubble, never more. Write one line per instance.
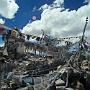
(44, 74)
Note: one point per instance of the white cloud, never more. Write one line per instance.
(44, 7)
(86, 1)
(56, 4)
(60, 22)
(8, 8)
(2, 21)
(1, 44)
(34, 9)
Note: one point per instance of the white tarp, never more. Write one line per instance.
(5, 51)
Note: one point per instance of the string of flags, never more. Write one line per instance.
(87, 43)
(77, 37)
(2, 28)
(46, 38)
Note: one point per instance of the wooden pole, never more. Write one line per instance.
(82, 40)
(42, 41)
(7, 42)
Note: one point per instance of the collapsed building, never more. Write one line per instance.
(69, 72)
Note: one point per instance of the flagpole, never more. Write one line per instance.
(42, 39)
(42, 33)
(7, 42)
(83, 36)
(84, 30)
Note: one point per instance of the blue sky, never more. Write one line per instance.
(25, 11)
(70, 15)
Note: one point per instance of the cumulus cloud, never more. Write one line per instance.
(86, 1)
(59, 21)
(8, 8)
(55, 4)
(1, 44)
(2, 21)
(34, 9)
